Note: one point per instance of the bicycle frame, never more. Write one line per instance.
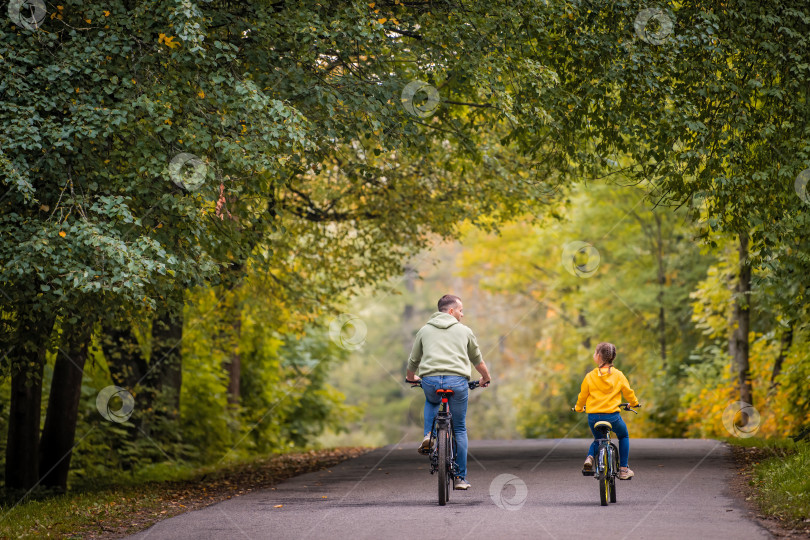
(606, 466)
(599, 467)
(444, 419)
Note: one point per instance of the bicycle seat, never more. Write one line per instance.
(444, 391)
(603, 424)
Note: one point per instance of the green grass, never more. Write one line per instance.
(100, 500)
(72, 515)
(781, 478)
(783, 484)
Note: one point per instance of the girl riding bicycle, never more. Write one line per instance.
(600, 395)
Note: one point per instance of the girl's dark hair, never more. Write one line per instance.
(607, 351)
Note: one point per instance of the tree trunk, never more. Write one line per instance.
(129, 370)
(784, 347)
(583, 322)
(405, 324)
(738, 345)
(56, 444)
(234, 373)
(662, 279)
(22, 448)
(234, 366)
(123, 354)
(165, 365)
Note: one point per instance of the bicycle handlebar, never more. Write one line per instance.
(471, 384)
(625, 406)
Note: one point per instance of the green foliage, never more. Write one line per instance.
(301, 165)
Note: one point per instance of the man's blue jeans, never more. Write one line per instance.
(458, 408)
(619, 428)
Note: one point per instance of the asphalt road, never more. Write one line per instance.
(681, 490)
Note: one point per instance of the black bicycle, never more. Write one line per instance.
(443, 452)
(606, 465)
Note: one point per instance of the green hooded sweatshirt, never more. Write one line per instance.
(444, 346)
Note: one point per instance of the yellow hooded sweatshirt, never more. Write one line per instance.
(602, 390)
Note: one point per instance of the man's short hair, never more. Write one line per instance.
(448, 301)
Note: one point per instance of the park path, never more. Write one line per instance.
(682, 490)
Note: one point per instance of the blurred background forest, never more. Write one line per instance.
(663, 299)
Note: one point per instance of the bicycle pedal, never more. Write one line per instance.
(587, 473)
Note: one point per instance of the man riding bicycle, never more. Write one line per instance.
(442, 353)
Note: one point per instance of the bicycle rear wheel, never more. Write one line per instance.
(444, 463)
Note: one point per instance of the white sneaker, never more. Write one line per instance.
(460, 483)
(424, 448)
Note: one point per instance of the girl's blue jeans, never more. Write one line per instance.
(619, 428)
(458, 408)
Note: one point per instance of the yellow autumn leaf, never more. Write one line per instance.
(382, 21)
(62, 234)
(167, 40)
(168, 121)
(201, 94)
(278, 506)
(106, 13)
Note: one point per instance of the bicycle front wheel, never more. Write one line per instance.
(612, 487)
(604, 478)
(444, 464)
(614, 471)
